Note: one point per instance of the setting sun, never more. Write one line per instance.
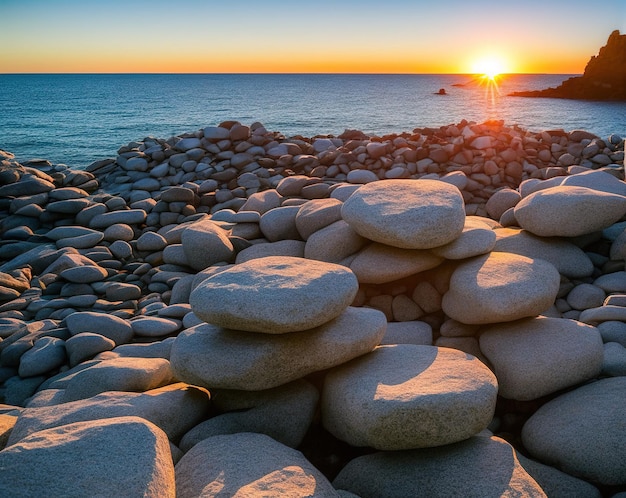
(490, 66)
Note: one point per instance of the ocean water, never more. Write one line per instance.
(76, 119)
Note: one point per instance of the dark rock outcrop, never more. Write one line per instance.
(604, 77)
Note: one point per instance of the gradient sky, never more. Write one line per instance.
(363, 36)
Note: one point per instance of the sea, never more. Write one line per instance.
(76, 119)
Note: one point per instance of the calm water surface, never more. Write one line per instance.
(78, 119)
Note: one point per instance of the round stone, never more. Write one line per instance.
(582, 432)
(500, 287)
(569, 211)
(539, 356)
(411, 214)
(408, 396)
(206, 243)
(275, 295)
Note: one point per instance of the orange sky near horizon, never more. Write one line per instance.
(399, 36)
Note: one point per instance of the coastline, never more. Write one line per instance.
(99, 267)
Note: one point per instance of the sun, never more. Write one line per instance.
(490, 66)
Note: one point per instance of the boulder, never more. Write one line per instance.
(275, 295)
(476, 238)
(410, 214)
(500, 287)
(569, 259)
(317, 214)
(380, 263)
(284, 413)
(110, 326)
(407, 396)
(205, 243)
(123, 456)
(333, 243)
(190, 403)
(248, 464)
(535, 357)
(210, 356)
(569, 211)
(480, 467)
(117, 374)
(582, 432)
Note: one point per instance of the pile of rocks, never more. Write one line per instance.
(235, 293)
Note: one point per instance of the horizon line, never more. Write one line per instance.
(278, 73)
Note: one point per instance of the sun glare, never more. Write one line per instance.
(490, 67)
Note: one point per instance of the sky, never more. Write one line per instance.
(271, 36)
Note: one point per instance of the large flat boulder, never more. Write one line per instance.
(569, 211)
(411, 214)
(124, 456)
(408, 396)
(189, 403)
(500, 287)
(534, 357)
(275, 295)
(214, 357)
(479, 467)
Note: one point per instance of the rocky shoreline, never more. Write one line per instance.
(604, 77)
(437, 311)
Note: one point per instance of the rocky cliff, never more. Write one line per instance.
(604, 77)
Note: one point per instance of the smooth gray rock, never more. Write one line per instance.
(85, 346)
(124, 456)
(284, 413)
(275, 295)
(284, 248)
(569, 211)
(582, 432)
(476, 238)
(190, 404)
(500, 287)
(534, 357)
(231, 465)
(566, 257)
(333, 243)
(411, 214)
(47, 354)
(210, 356)
(280, 224)
(206, 243)
(411, 332)
(479, 467)
(117, 374)
(110, 326)
(557, 484)
(380, 263)
(317, 214)
(407, 396)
